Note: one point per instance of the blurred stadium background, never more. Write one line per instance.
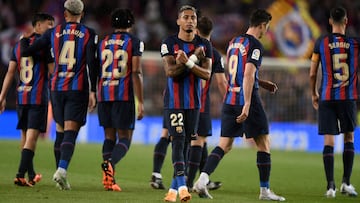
(295, 26)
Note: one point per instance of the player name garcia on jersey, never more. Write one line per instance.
(75, 32)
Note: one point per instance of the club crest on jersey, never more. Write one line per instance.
(179, 129)
(164, 49)
(255, 54)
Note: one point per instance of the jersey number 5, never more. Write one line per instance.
(341, 68)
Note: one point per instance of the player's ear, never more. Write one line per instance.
(331, 21)
(177, 22)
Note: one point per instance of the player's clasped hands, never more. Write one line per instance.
(181, 57)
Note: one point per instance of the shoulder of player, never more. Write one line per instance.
(201, 40)
(215, 51)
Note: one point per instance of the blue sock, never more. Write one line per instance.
(63, 164)
(174, 184)
(67, 148)
(180, 181)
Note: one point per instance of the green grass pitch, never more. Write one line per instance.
(298, 176)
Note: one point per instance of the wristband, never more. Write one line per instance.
(194, 58)
(190, 64)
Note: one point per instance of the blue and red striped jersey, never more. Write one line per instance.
(339, 65)
(115, 53)
(70, 43)
(183, 92)
(217, 67)
(241, 50)
(73, 47)
(32, 87)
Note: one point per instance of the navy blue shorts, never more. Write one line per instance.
(336, 117)
(117, 114)
(256, 123)
(204, 126)
(69, 106)
(229, 127)
(32, 117)
(182, 122)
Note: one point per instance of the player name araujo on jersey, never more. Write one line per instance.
(75, 32)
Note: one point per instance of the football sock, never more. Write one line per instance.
(159, 154)
(30, 170)
(263, 162)
(178, 143)
(203, 157)
(108, 147)
(180, 180)
(213, 160)
(174, 184)
(193, 163)
(348, 160)
(328, 158)
(26, 156)
(58, 140)
(120, 150)
(67, 148)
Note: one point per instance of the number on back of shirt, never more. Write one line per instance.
(120, 69)
(26, 69)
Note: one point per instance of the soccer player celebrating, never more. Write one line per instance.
(120, 76)
(32, 97)
(198, 151)
(187, 60)
(242, 109)
(336, 102)
(73, 46)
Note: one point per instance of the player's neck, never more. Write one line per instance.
(254, 32)
(185, 36)
(73, 19)
(122, 30)
(338, 29)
